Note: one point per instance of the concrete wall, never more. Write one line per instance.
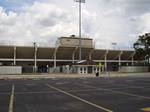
(54, 70)
(27, 69)
(133, 69)
(10, 70)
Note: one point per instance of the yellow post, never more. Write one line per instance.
(99, 67)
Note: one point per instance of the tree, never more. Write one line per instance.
(142, 47)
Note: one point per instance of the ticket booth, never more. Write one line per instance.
(85, 67)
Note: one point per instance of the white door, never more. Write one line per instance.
(82, 70)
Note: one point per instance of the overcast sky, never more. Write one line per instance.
(43, 21)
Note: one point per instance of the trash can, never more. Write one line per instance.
(97, 74)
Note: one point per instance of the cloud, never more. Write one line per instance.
(39, 22)
(121, 21)
(42, 23)
(106, 21)
(144, 23)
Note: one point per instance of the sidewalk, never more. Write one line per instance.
(46, 75)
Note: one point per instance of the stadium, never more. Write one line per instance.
(64, 57)
(43, 69)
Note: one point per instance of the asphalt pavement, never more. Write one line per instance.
(94, 94)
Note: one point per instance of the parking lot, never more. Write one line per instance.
(116, 94)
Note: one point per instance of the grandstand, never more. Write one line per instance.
(66, 52)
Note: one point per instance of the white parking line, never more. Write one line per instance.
(60, 83)
(117, 92)
(11, 102)
(80, 99)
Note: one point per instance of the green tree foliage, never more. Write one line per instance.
(142, 46)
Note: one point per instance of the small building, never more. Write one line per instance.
(86, 67)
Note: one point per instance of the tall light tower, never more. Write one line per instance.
(80, 1)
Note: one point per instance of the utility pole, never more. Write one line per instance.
(80, 35)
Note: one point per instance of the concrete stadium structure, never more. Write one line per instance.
(65, 53)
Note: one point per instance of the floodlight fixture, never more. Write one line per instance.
(82, 1)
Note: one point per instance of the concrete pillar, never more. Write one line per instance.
(14, 56)
(55, 57)
(120, 58)
(132, 58)
(90, 54)
(73, 58)
(35, 56)
(35, 59)
(132, 61)
(119, 61)
(105, 60)
(73, 54)
(55, 60)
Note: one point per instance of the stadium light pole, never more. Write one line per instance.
(80, 1)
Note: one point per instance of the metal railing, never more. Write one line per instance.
(21, 43)
(46, 44)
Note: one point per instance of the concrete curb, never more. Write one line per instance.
(5, 77)
(46, 76)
